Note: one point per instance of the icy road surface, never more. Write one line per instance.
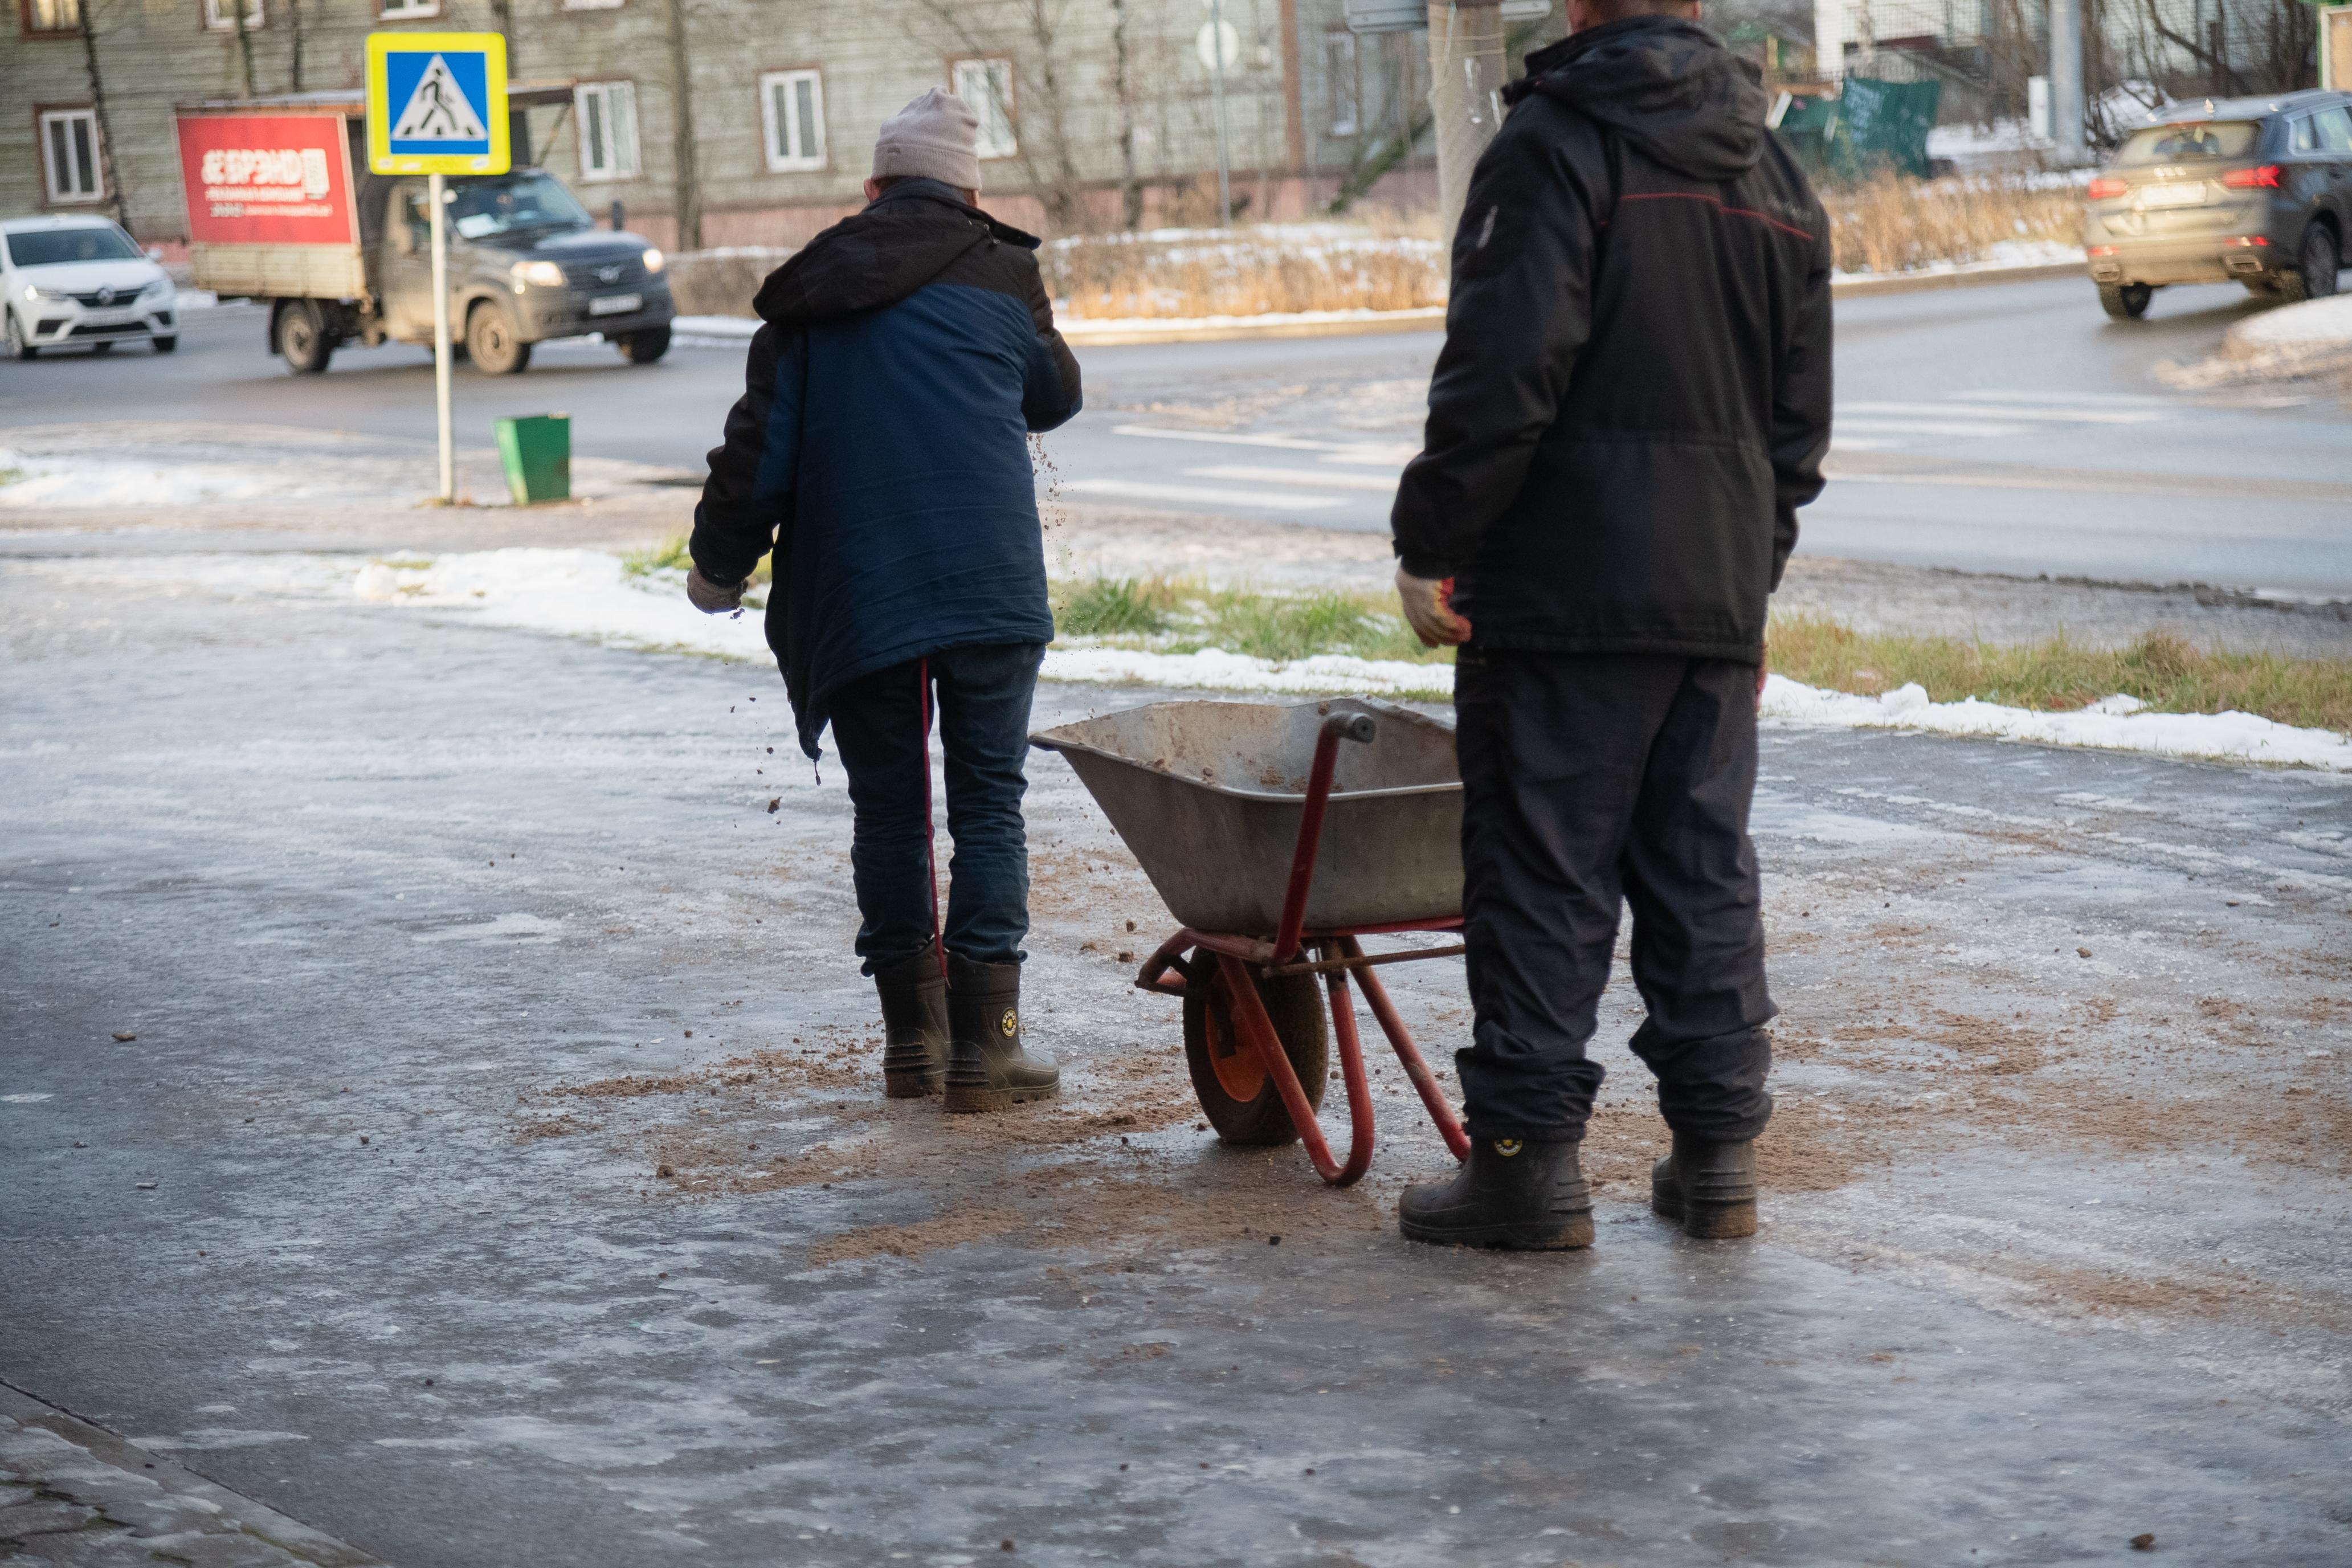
(434, 942)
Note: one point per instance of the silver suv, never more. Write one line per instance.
(2259, 190)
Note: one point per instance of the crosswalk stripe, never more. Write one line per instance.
(2069, 415)
(1383, 484)
(1389, 452)
(2101, 399)
(1139, 489)
(1926, 426)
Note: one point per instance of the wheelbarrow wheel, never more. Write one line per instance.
(1235, 1091)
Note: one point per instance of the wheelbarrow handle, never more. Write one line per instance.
(1357, 727)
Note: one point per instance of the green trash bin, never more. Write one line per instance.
(537, 452)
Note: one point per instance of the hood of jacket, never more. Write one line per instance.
(1667, 86)
(907, 237)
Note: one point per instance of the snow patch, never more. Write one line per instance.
(587, 593)
(2113, 723)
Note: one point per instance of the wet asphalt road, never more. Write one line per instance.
(345, 870)
(2008, 428)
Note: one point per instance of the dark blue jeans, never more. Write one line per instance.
(882, 728)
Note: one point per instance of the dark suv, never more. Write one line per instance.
(2255, 189)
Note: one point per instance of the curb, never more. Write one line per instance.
(1079, 333)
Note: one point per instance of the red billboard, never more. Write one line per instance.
(267, 179)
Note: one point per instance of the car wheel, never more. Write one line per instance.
(302, 338)
(2317, 265)
(18, 347)
(164, 346)
(492, 343)
(2125, 301)
(644, 347)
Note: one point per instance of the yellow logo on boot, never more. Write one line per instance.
(1506, 1147)
(1009, 1023)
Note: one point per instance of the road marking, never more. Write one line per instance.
(1383, 484)
(1389, 452)
(2076, 416)
(1926, 426)
(2103, 399)
(1841, 442)
(1141, 490)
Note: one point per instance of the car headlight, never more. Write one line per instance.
(538, 274)
(33, 294)
(655, 261)
(159, 290)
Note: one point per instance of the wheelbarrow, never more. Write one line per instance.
(1278, 835)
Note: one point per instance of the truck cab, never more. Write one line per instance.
(526, 263)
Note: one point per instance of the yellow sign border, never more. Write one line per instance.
(382, 159)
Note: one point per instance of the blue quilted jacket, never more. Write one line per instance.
(880, 446)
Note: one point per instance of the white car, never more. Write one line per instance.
(80, 281)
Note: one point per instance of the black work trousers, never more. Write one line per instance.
(1592, 780)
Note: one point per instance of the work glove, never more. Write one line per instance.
(1429, 611)
(713, 598)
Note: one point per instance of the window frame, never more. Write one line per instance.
(43, 113)
(606, 86)
(408, 10)
(803, 163)
(25, 21)
(1011, 104)
(1354, 99)
(220, 16)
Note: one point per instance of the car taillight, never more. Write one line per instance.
(2262, 177)
(2107, 185)
(2103, 250)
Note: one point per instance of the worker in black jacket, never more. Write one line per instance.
(1632, 401)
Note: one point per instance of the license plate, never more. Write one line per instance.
(615, 304)
(107, 317)
(2173, 196)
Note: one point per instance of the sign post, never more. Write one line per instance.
(437, 105)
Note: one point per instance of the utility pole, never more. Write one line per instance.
(1214, 47)
(681, 97)
(1465, 94)
(2066, 82)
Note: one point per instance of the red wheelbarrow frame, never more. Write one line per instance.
(1338, 955)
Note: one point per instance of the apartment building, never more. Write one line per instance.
(749, 121)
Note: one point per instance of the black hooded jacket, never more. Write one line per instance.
(1633, 397)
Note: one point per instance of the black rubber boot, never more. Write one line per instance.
(914, 1026)
(1511, 1193)
(1709, 1185)
(987, 1067)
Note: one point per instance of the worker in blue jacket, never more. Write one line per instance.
(880, 451)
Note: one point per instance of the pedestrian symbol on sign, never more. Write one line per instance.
(437, 110)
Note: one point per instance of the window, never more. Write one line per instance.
(401, 10)
(70, 155)
(2335, 130)
(591, 4)
(607, 113)
(1341, 84)
(986, 87)
(53, 16)
(2197, 139)
(2303, 135)
(792, 109)
(222, 14)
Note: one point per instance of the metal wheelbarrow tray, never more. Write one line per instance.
(1276, 846)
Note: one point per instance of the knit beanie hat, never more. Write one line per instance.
(933, 138)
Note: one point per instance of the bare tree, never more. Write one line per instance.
(83, 10)
(1051, 172)
(1123, 93)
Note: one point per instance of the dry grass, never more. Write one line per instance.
(1889, 223)
(1394, 259)
(2168, 673)
(1245, 271)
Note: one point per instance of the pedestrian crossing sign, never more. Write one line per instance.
(436, 103)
